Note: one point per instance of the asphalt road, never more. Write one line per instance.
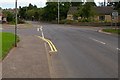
(82, 52)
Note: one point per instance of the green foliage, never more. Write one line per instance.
(51, 11)
(28, 12)
(22, 12)
(10, 15)
(76, 3)
(116, 31)
(86, 11)
(67, 21)
(62, 22)
(7, 41)
(64, 7)
(85, 20)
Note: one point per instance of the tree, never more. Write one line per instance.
(116, 5)
(64, 7)
(76, 3)
(25, 12)
(30, 14)
(10, 16)
(31, 6)
(73, 3)
(50, 11)
(86, 11)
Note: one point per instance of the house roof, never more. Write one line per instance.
(104, 10)
(72, 10)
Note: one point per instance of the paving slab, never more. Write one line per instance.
(28, 60)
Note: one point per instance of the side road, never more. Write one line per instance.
(28, 60)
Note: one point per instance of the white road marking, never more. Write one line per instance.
(52, 46)
(41, 28)
(38, 29)
(118, 49)
(97, 40)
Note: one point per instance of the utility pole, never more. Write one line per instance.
(16, 23)
(104, 2)
(58, 12)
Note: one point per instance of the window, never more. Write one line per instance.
(101, 18)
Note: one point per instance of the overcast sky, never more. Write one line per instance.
(11, 3)
(40, 3)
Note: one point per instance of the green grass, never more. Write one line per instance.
(7, 41)
(116, 31)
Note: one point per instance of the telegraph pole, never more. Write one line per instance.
(16, 23)
(104, 2)
(58, 12)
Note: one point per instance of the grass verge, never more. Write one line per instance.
(115, 31)
(7, 40)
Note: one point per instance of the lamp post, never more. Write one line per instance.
(16, 23)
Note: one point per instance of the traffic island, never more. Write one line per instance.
(114, 31)
(110, 31)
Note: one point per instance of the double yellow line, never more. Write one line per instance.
(52, 46)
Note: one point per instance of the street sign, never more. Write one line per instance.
(115, 14)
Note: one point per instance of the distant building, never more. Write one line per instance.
(103, 14)
(2, 18)
(71, 12)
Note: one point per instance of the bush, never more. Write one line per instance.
(85, 20)
(69, 21)
(20, 21)
(62, 22)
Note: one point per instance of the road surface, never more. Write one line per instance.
(82, 52)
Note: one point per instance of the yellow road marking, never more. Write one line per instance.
(47, 42)
(55, 49)
(51, 45)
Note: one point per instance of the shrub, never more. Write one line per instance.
(69, 21)
(62, 22)
(85, 20)
(20, 21)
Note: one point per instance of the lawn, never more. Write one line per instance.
(7, 41)
(116, 31)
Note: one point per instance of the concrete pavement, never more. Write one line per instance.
(28, 60)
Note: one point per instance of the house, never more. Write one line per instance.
(102, 14)
(2, 18)
(71, 12)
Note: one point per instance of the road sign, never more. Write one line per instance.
(115, 14)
